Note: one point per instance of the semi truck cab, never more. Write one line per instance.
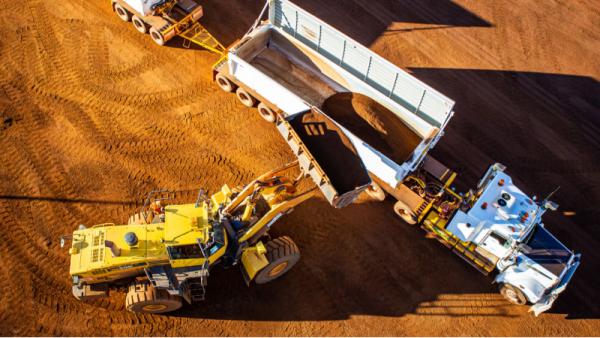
(505, 225)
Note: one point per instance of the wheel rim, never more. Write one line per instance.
(223, 84)
(511, 295)
(278, 269)
(266, 114)
(139, 25)
(157, 38)
(154, 307)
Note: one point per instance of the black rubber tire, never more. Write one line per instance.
(513, 294)
(245, 98)
(282, 254)
(266, 113)
(122, 13)
(404, 212)
(139, 24)
(144, 298)
(157, 37)
(224, 83)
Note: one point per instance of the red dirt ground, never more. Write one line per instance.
(94, 115)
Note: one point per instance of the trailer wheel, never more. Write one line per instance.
(139, 24)
(513, 294)
(245, 98)
(157, 36)
(122, 13)
(224, 83)
(407, 215)
(266, 113)
(144, 298)
(282, 254)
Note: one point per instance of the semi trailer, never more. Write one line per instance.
(293, 63)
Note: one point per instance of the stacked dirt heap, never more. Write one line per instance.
(373, 123)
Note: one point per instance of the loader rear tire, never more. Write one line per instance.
(404, 212)
(139, 24)
(144, 298)
(157, 36)
(266, 113)
(282, 254)
(513, 294)
(224, 83)
(245, 98)
(122, 13)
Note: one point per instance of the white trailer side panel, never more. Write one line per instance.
(266, 86)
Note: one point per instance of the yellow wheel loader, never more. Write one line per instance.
(164, 254)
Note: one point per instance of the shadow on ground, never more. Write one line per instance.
(363, 21)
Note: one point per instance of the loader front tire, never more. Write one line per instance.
(404, 212)
(245, 98)
(282, 254)
(513, 294)
(266, 113)
(157, 36)
(144, 298)
(122, 13)
(139, 24)
(224, 83)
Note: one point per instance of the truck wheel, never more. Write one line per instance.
(224, 83)
(157, 36)
(139, 24)
(513, 294)
(122, 13)
(375, 192)
(245, 98)
(266, 113)
(144, 298)
(282, 254)
(407, 215)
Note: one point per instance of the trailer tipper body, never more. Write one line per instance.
(294, 63)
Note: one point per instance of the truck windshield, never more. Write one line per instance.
(547, 251)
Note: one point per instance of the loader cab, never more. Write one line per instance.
(192, 236)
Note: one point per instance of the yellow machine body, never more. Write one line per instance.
(95, 261)
(101, 253)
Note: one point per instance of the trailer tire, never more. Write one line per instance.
(139, 24)
(145, 298)
(245, 98)
(404, 212)
(513, 294)
(282, 254)
(122, 13)
(157, 36)
(266, 113)
(224, 83)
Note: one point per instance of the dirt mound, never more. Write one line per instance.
(373, 123)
